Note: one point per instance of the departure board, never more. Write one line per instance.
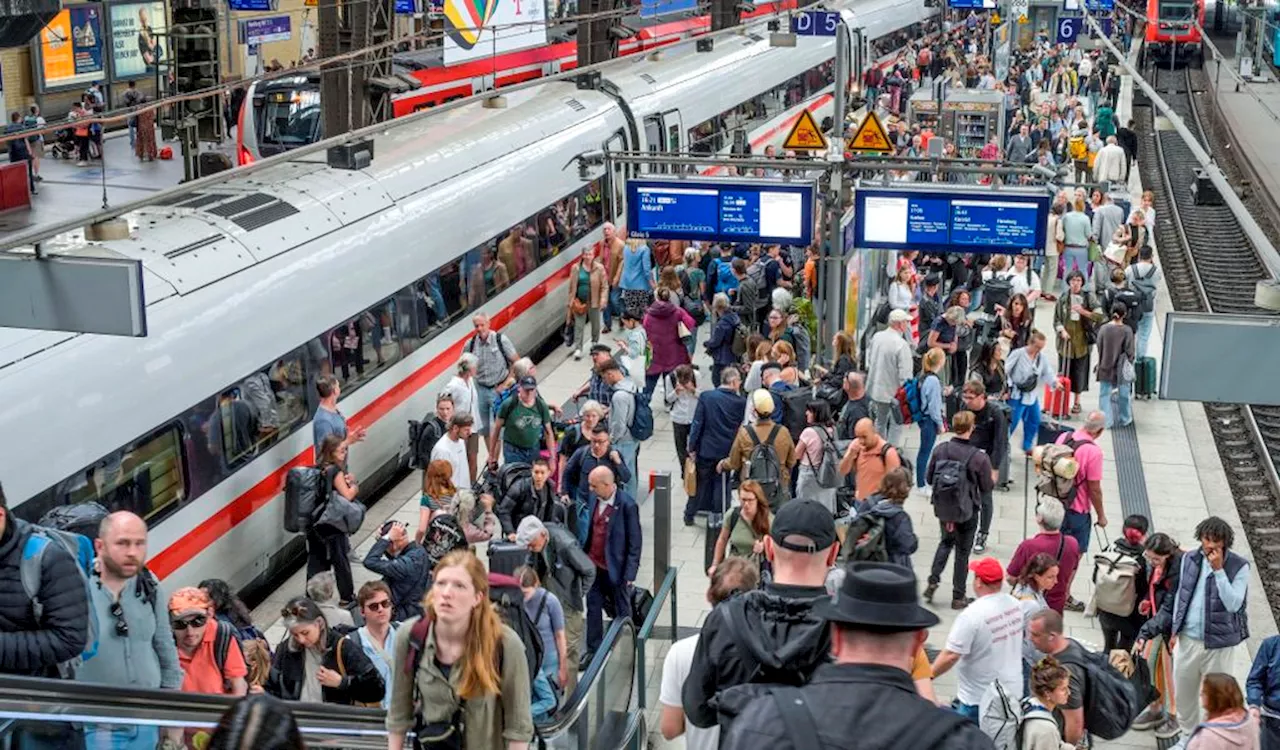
(969, 221)
(717, 210)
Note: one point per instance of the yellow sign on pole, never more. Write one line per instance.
(805, 135)
(871, 136)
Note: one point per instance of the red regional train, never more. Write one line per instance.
(1173, 30)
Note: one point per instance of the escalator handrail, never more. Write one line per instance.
(576, 703)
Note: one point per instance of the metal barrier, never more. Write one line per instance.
(664, 587)
(668, 588)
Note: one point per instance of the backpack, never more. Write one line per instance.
(642, 420)
(1032, 712)
(1058, 470)
(304, 498)
(506, 596)
(902, 458)
(749, 298)
(1078, 148)
(763, 465)
(1115, 576)
(222, 639)
(725, 280)
(471, 347)
(794, 403)
(422, 439)
(757, 277)
(29, 571)
(501, 482)
(691, 303)
(1110, 701)
(951, 480)
(1133, 305)
(865, 540)
(1145, 288)
(502, 396)
(828, 470)
(909, 401)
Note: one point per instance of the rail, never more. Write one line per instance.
(667, 589)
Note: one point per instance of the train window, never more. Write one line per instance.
(552, 232)
(439, 298)
(146, 477)
(479, 267)
(718, 133)
(364, 345)
(237, 428)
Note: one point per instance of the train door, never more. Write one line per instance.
(662, 136)
(618, 173)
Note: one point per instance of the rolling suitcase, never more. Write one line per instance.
(505, 557)
(1057, 397)
(1144, 384)
(1050, 431)
(715, 521)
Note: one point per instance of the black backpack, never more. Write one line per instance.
(505, 593)
(423, 437)
(1110, 701)
(500, 482)
(951, 480)
(866, 540)
(794, 403)
(764, 466)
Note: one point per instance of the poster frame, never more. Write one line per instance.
(115, 75)
(37, 57)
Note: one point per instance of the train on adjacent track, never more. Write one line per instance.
(1173, 29)
(258, 282)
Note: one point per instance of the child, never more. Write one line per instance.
(681, 402)
(634, 343)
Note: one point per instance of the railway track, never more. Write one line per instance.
(1210, 266)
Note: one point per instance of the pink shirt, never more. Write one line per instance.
(1089, 459)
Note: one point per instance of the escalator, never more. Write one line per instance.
(41, 714)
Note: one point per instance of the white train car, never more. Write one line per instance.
(263, 280)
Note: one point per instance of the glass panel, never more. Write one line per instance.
(289, 118)
(146, 477)
(364, 345)
(237, 426)
(553, 236)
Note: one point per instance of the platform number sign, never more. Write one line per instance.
(815, 23)
(1069, 29)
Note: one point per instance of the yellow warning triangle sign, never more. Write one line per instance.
(871, 136)
(805, 135)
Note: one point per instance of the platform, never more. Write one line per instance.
(1252, 113)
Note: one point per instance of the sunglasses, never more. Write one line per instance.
(122, 627)
(378, 606)
(197, 621)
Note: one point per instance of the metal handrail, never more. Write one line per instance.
(577, 701)
(668, 588)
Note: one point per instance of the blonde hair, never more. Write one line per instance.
(933, 359)
(479, 662)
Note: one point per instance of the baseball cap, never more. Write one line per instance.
(987, 569)
(899, 316)
(528, 383)
(932, 280)
(601, 349)
(804, 518)
(762, 400)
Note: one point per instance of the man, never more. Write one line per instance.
(1128, 141)
(966, 474)
(613, 544)
(1111, 164)
(930, 301)
(1144, 277)
(430, 430)
(991, 435)
(764, 432)
(528, 496)
(869, 457)
(889, 365)
(466, 400)
(1045, 630)
(876, 628)
(565, 570)
(772, 380)
(611, 258)
(985, 647)
(1209, 617)
(402, 563)
(494, 354)
(598, 452)
(771, 634)
(711, 438)
(1078, 522)
(20, 149)
(856, 408)
(34, 645)
(378, 634)
(328, 420)
(452, 447)
(719, 344)
(521, 424)
(1107, 218)
(622, 411)
(734, 576)
(596, 389)
(1050, 541)
(1020, 145)
(208, 651)
(135, 642)
(132, 98)
(1022, 280)
(1028, 369)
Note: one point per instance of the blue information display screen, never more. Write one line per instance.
(972, 4)
(951, 222)
(720, 211)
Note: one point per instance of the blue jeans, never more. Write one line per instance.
(1122, 411)
(133, 132)
(516, 454)
(121, 737)
(1078, 526)
(1029, 416)
(1077, 257)
(484, 404)
(614, 307)
(928, 435)
(966, 710)
(630, 450)
(1146, 324)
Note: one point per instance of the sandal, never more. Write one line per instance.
(1075, 409)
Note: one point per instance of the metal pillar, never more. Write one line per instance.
(334, 37)
(724, 14)
(595, 43)
(661, 526)
(830, 276)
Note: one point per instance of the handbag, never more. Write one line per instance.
(1095, 251)
(342, 670)
(683, 330)
(342, 514)
(577, 307)
(690, 477)
(442, 735)
(1127, 372)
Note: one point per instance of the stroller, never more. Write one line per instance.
(64, 147)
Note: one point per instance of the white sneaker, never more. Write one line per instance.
(577, 356)
(925, 491)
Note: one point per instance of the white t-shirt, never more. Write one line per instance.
(1019, 284)
(988, 637)
(674, 672)
(455, 452)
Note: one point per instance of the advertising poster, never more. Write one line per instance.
(136, 44)
(71, 47)
(483, 28)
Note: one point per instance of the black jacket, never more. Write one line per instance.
(900, 537)
(1161, 621)
(854, 409)
(564, 568)
(33, 648)
(979, 480)
(361, 683)
(763, 637)
(407, 575)
(523, 500)
(1128, 140)
(876, 704)
(991, 431)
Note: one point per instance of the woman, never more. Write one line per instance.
(441, 497)
(257, 662)
(1116, 356)
(471, 674)
(144, 146)
(1147, 210)
(668, 279)
(1053, 248)
(329, 547)
(1138, 236)
(760, 350)
(745, 527)
(228, 608)
(663, 327)
(588, 294)
(578, 435)
(547, 615)
(1016, 321)
(776, 328)
(845, 356)
(989, 368)
(315, 664)
(886, 502)
(1076, 230)
(783, 353)
(945, 335)
(635, 277)
(1164, 569)
(819, 433)
(682, 401)
(902, 291)
(1050, 688)
(1038, 576)
(1076, 317)
(1228, 726)
(258, 722)
(931, 417)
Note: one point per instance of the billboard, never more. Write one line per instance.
(71, 48)
(482, 28)
(136, 43)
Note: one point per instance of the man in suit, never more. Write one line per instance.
(715, 423)
(613, 544)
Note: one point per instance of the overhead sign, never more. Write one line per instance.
(870, 136)
(252, 5)
(651, 8)
(961, 221)
(483, 28)
(263, 30)
(1018, 8)
(71, 48)
(815, 23)
(1100, 6)
(1220, 358)
(717, 210)
(972, 4)
(1071, 28)
(81, 295)
(137, 38)
(406, 7)
(805, 135)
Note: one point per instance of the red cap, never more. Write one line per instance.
(987, 569)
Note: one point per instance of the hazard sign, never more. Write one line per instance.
(871, 137)
(805, 135)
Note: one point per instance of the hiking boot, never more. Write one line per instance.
(1150, 718)
(1074, 605)
(1168, 729)
(929, 591)
(962, 602)
(980, 544)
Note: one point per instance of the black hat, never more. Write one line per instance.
(601, 349)
(876, 596)
(932, 279)
(806, 518)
